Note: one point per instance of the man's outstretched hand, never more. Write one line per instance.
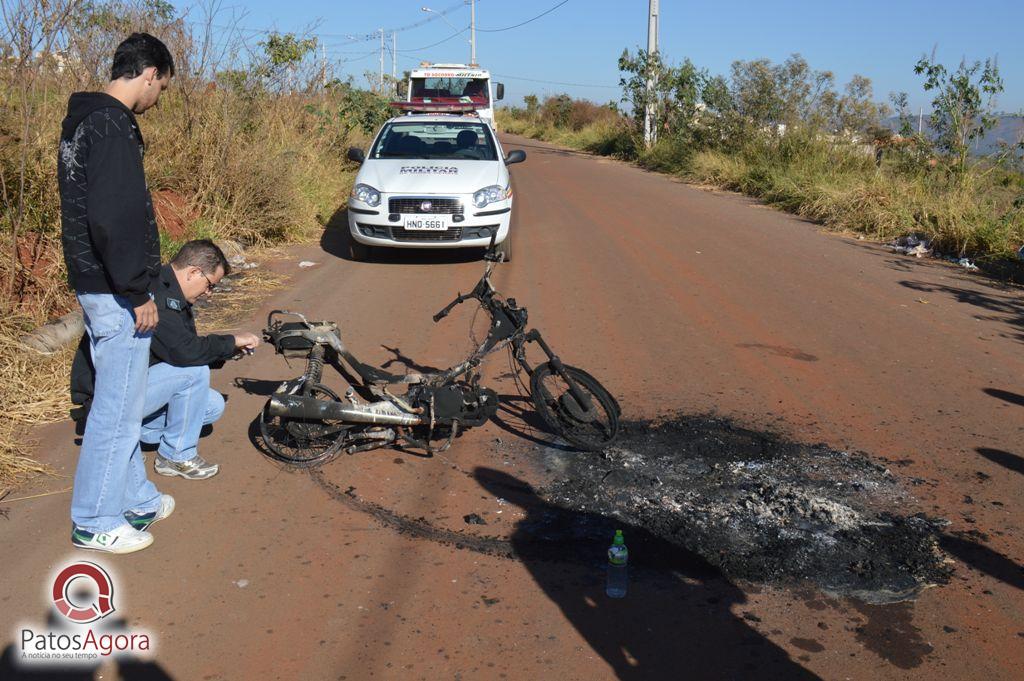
(146, 317)
(246, 342)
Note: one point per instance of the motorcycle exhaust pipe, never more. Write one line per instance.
(312, 409)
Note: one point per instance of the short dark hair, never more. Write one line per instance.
(138, 52)
(201, 253)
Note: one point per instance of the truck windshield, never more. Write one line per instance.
(455, 140)
(464, 89)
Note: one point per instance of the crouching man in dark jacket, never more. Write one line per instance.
(179, 400)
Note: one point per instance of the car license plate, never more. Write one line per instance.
(426, 223)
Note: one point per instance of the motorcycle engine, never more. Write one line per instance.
(470, 405)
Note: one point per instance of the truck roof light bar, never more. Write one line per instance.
(436, 107)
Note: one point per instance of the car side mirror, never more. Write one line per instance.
(356, 154)
(515, 156)
(500, 91)
(401, 87)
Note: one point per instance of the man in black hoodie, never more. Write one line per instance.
(112, 252)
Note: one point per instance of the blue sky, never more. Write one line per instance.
(580, 41)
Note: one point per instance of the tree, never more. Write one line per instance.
(754, 93)
(963, 109)
(677, 93)
(716, 95)
(901, 102)
(532, 106)
(284, 52)
(855, 110)
(789, 93)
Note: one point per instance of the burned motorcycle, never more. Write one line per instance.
(304, 423)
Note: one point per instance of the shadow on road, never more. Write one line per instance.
(1005, 396)
(1008, 309)
(677, 620)
(516, 416)
(984, 559)
(257, 386)
(1005, 459)
(409, 363)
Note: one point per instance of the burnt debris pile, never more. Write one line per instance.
(760, 508)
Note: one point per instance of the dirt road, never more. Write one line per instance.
(680, 301)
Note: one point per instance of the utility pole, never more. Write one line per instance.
(394, 55)
(380, 82)
(650, 131)
(472, 32)
(920, 121)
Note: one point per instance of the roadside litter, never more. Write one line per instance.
(964, 262)
(235, 253)
(307, 263)
(920, 246)
(912, 245)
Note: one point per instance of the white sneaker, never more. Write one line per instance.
(122, 539)
(195, 468)
(142, 521)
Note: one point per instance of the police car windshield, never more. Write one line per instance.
(448, 140)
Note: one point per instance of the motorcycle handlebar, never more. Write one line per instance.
(448, 308)
(490, 257)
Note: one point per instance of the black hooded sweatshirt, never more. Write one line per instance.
(108, 229)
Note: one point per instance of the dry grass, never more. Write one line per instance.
(33, 391)
(980, 221)
(228, 309)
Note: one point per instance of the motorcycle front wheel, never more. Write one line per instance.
(590, 429)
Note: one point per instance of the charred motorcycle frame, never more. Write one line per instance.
(304, 423)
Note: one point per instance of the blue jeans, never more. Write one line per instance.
(111, 475)
(179, 402)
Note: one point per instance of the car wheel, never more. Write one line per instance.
(504, 249)
(357, 251)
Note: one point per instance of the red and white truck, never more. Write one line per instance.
(441, 88)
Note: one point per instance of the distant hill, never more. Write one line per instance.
(1009, 129)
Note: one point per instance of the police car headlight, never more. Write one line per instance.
(366, 194)
(491, 194)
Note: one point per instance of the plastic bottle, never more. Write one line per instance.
(618, 579)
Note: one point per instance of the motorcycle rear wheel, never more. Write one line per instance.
(303, 443)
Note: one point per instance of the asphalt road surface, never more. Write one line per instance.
(680, 301)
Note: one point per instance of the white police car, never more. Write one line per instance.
(431, 181)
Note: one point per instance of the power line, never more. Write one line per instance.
(351, 38)
(436, 15)
(268, 31)
(427, 47)
(359, 58)
(509, 28)
(555, 82)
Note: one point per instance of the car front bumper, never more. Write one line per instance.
(378, 227)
